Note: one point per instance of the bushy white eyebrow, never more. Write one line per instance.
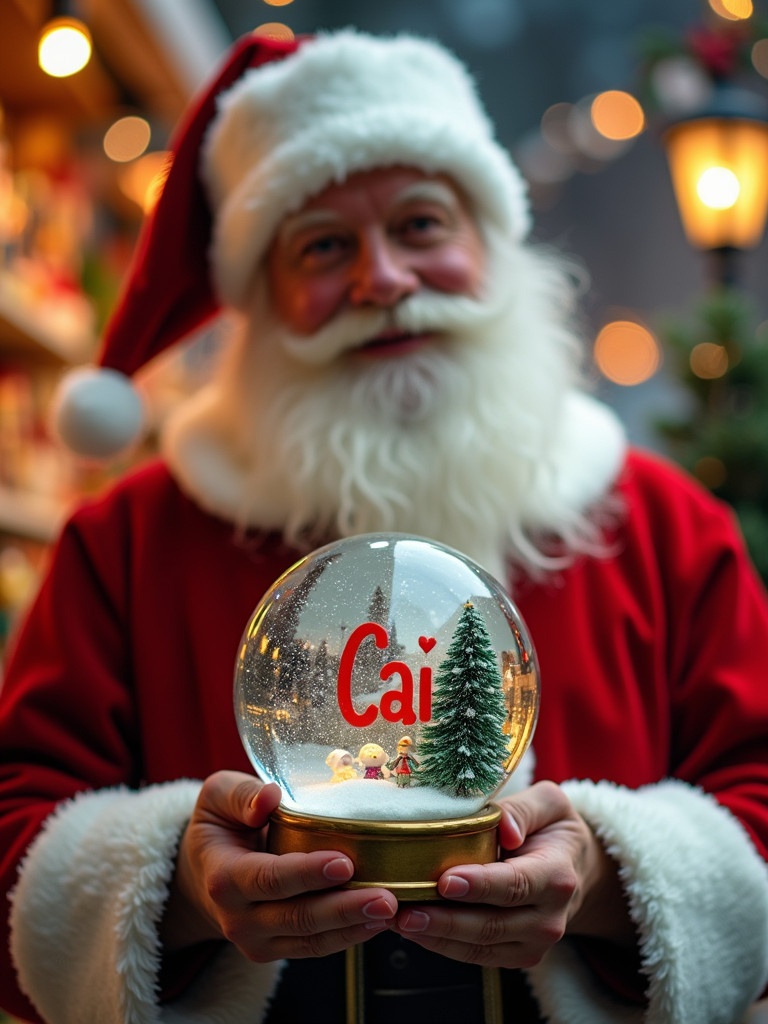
(425, 191)
(294, 223)
(431, 191)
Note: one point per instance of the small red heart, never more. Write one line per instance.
(426, 643)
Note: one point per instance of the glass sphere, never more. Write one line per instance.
(386, 677)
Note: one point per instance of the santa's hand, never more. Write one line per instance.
(557, 879)
(271, 907)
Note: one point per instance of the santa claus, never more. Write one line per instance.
(402, 359)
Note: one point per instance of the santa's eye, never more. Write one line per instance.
(423, 227)
(423, 222)
(328, 243)
(322, 249)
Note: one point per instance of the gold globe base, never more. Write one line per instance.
(406, 857)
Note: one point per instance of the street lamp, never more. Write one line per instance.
(718, 159)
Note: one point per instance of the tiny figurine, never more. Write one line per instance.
(342, 765)
(404, 764)
(374, 759)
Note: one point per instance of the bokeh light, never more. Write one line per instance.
(14, 217)
(278, 3)
(142, 181)
(733, 10)
(275, 30)
(708, 361)
(626, 352)
(617, 115)
(64, 48)
(710, 471)
(127, 138)
(760, 57)
(680, 85)
(555, 127)
(590, 143)
(540, 162)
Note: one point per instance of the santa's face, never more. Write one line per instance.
(395, 371)
(367, 244)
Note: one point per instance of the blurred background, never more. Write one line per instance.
(587, 95)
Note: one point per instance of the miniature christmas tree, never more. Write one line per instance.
(462, 749)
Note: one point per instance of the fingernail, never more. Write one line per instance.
(378, 909)
(455, 886)
(414, 921)
(338, 870)
(513, 826)
(376, 926)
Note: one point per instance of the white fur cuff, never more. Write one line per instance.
(698, 893)
(86, 908)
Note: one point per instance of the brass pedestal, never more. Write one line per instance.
(406, 857)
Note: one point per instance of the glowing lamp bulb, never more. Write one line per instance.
(718, 188)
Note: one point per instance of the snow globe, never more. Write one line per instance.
(389, 686)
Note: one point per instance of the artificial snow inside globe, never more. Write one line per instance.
(389, 686)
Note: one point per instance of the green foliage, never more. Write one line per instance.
(462, 749)
(723, 438)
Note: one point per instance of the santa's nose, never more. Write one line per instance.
(382, 274)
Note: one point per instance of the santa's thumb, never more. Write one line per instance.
(238, 798)
(529, 811)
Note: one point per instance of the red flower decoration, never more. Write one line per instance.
(718, 51)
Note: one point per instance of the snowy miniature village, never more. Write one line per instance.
(386, 683)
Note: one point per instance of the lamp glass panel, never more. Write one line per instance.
(738, 146)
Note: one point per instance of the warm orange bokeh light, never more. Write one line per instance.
(127, 138)
(278, 3)
(274, 30)
(626, 352)
(708, 361)
(143, 180)
(14, 217)
(733, 10)
(617, 115)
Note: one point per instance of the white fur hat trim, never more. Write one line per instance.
(343, 103)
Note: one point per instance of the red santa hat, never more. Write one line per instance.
(279, 122)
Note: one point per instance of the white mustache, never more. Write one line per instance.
(422, 313)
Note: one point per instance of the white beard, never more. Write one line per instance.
(453, 441)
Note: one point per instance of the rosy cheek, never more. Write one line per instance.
(457, 270)
(310, 306)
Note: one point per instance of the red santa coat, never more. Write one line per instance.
(653, 666)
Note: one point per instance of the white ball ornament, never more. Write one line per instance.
(97, 412)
